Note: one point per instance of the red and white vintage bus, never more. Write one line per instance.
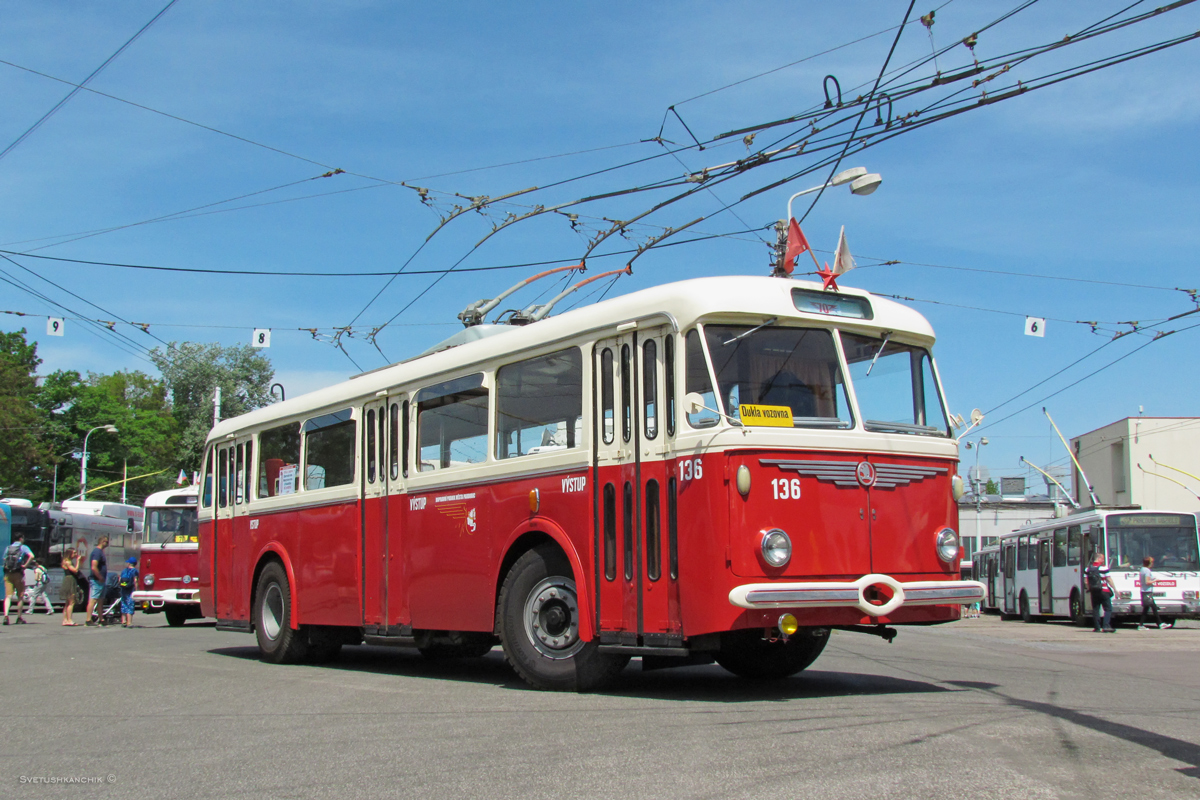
(721, 468)
(170, 556)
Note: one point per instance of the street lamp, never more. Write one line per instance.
(977, 446)
(83, 461)
(861, 183)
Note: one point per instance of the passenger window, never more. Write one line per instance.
(1022, 553)
(626, 393)
(1060, 547)
(207, 481)
(329, 450)
(223, 477)
(650, 388)
(394, 440)
(404, 440)
(452, 424)
(697, 379)
(669, 378)
(371, 445)
(248, 474)
(610, 532)
(1074, 545)
(607, 403)
(653, 532)
(539, 404)
(237, 474)
(279, 460)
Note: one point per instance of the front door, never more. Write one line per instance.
(1045, 599)
(1009, 568)
(224, 589)
(375, 474)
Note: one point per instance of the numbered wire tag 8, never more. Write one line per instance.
(262, 337)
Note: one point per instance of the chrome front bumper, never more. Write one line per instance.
(161, 597)
(852, 594)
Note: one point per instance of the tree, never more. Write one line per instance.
(992, 487)
(25, 452)
(192, 371)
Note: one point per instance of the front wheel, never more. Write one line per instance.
(278, 642)
(1078, 615)
(1025, 615)
(176, 616)
(538, 619)
(747, 654)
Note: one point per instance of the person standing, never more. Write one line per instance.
(128, 583)
(71, 583)
(16, 558)
(1146, 583)
(1100, 585)
(97, 577)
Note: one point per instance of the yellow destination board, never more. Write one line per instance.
(770, 416)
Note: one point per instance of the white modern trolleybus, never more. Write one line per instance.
(717, 469)
(1037, 571)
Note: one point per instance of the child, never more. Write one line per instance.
(38, 588)
(128, 583)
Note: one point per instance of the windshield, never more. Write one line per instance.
(895, 386)
(1170, 539)
(172, 526)
(776, 366)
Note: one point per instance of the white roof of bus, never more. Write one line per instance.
(686, 301)
(161, 498)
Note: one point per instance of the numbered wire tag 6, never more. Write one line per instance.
(1035, 326)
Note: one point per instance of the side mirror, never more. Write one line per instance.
(693, 403)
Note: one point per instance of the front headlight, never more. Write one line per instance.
(947, 545)
(957, 488)
(776, 547)
(148, 581)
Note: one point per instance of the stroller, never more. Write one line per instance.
(108, 609)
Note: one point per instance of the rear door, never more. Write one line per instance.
(1045, 571)
(375, 475)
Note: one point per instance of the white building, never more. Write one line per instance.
(1120, 461)
(979, 523)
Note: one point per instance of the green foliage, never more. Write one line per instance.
(992, 487)
(192, 371)
(24, 454)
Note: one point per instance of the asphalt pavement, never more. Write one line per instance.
(978, 708)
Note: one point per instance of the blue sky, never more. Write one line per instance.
(1091, 179)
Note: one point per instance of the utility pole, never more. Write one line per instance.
(216, 406)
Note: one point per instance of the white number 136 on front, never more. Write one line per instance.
(786, 489)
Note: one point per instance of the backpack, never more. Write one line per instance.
(1095, 581)
(128, 576)
(12, 558)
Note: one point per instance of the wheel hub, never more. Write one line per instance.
(552, 618)
(272, 611)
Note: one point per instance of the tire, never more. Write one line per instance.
(747, 654)
(176, 616)
(324, 646)
(1078, 615)
(1024, 603)
(538, 619)
(278, 643)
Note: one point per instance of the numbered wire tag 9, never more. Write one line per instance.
(54, 326)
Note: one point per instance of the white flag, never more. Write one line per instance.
(843, 262)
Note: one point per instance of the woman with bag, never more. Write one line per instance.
(69, 591)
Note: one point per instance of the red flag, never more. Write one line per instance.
(796, 244)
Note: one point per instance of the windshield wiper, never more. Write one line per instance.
(771, 321)
(886, 336)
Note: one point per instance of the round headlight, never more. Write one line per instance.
(148, 581)
(957, 488)
(947, 545)
(776, 547)
(187, 579)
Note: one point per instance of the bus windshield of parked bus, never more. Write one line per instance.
(895, 386)
(1170, 539)
(776, 366)
(171, 526)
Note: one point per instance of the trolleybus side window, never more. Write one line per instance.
(776, 366)
(539, 404)
(896, 389)
(370, 445)
(672, 529)
(1074, 545)
(610, 532)
(1023, 552)
(404, 440)
(329, 450)
(394, 440)
(626, 393)
(653, 532)
(650, 388)
(1060, 547)
(206, 498)
(223, 477)
(279, 460)
(669, 377)
(607, 403)
(452, 423)
(697, 380)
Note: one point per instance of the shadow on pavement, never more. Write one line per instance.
(1169, 746)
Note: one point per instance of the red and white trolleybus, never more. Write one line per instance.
(170, 556)
(721, 468)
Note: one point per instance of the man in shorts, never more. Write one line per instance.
(14, 579)
(97, 577)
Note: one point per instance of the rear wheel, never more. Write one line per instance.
(176, 615)
(277, 641)
(747, 654)
(538, 619)
(1078, 615)
(1025, 615)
